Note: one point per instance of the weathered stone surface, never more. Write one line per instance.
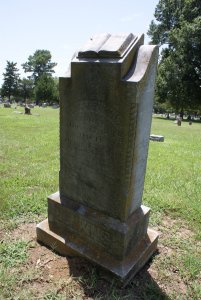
(105, 127)
(105, 118)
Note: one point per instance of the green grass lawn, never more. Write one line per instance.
(29, 169)
(29, 156)
(173, 178)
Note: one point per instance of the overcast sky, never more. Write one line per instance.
(63, 26)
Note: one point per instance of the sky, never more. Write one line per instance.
(63, 26)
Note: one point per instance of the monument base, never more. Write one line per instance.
(123, 270)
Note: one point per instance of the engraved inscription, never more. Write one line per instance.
(97, 143)
(82, 227)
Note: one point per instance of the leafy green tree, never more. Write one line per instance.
(56, 89)
(45, 89)
(10, 81)
(178, 27)
(25, 88)
(39, 64)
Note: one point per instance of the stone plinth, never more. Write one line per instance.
(106, 109)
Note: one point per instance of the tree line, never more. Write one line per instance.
(40, 85)
(177, 27)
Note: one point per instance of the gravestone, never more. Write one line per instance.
(105, 117)
(7, 105)
(27, 109)
(157, 138)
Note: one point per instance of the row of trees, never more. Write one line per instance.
(40, 85)
(177, 27)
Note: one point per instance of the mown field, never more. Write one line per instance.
(29, 166)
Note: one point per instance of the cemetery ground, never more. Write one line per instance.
(29, 155)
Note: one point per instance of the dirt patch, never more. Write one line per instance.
(181, 230)
(1, 235)
(26, 232)
(168, 222)
(47, 273)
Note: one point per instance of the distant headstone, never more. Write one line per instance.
(55, 106)
(178, 120)
(27, 110)
(106, 110)
(7, 105)
(189, 118)
(157, 138)
(44, 105)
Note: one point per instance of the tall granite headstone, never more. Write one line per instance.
(106, 109)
